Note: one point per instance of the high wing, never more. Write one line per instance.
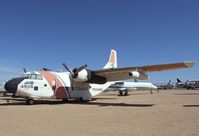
(115, 74)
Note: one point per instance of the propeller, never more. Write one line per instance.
(67, 68)
(46, 69)
(74, 72)
(24, 70)
(77, 70)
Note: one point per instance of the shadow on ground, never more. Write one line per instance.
(187, 94)
(74, 102)
(191, 106)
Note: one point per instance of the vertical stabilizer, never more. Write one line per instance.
(112, 63)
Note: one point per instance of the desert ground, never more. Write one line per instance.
(167, 113)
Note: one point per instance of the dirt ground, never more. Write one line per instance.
(168, 113)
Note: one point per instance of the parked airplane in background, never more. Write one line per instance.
(80, 83)
(180, 84)
(123, 87)
(168, 85)
(189, 84)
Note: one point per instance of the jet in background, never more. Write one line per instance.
(168, 85)
(180, 84)
(80, 83)
(124, 87)
(189, 84)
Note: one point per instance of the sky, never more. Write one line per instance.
(45, 33)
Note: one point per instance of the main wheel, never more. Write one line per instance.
(125, 92)
(81, 99)
(30, 102)
(64, 100)
(120, 93)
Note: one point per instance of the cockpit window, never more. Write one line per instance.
(39, 77)
(33, 76)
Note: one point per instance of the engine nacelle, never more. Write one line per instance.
(138, 75)
(134, 74)
(83, 76)
(86, 76)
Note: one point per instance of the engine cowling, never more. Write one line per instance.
(83, 76)
(86, 76)
(134, 74)
(138, 75)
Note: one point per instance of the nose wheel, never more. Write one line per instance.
(30, 102)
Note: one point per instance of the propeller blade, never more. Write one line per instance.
(74, 72)
(67, 68)
(24, 70)
(46, 69)
(81, 68)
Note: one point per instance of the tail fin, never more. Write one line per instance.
(178, 80)
(112, 63)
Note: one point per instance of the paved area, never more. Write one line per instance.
(170, 112)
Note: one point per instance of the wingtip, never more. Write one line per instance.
(189, 64)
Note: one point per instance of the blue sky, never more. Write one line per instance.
(46, 33)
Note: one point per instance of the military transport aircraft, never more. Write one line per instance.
(79, 83)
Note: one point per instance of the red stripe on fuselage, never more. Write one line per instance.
(59, 89)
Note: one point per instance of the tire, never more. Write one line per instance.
(120, 93)
(30, 102)
(125, 92)
(65, 100)
(81, 99)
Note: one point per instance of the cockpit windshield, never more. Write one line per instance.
(32, 76)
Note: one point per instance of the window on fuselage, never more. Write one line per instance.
(33, 76)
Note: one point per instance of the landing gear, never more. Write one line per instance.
(123, 93)
(81, 99)
(120, 93)
(30, 102)
(13, 95)
(84, 99)
(65, 100)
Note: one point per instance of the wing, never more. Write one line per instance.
(115, 74)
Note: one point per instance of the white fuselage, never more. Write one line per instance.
(57, 85)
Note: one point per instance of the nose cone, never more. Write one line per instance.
(155, 87)
(11, 85)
